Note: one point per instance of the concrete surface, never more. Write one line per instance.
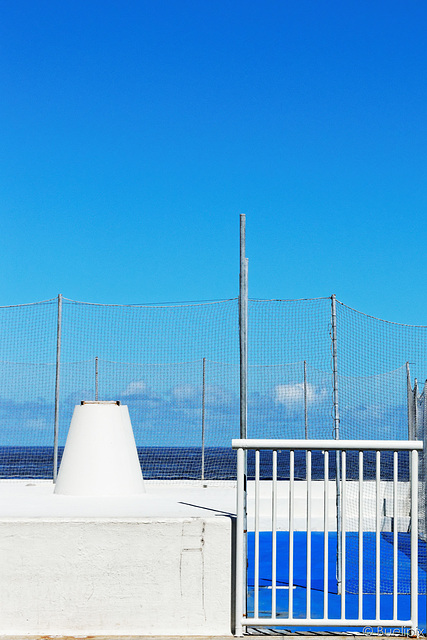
(169, 576)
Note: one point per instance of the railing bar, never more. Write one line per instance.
(325, 534)
(330, 622)
(360, 537)
(240, 544)
(308, 581)
(331, 445)
(377, 533)
(274, 534)
(414, 539)
(241, 620)
(291, 533)
(256, 559)
(395, 528)
(343, 526)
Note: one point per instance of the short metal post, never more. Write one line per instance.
(415, 433)
(413, 461)
(337, 437)
(57, 379)
(240, 600)
(410, 398)
(96, 379)
(423, 484)
(305, 401)
(203, 417)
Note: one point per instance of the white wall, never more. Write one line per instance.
(168, 576)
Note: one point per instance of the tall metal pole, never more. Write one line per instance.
(243, 335)
(305, 401)
(337, 437)
(58, 371)
(203, 417)
(243, 328)
(96, 379)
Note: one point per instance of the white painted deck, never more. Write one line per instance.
(36, 499)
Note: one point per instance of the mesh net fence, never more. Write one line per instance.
(376, 362)
(177, 369)
(27, 373)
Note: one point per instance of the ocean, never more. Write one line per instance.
(185, 463)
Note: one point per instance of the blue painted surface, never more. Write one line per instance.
(352, 577)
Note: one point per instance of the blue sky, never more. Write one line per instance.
(134, 134)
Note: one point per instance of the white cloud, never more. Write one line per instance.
(219, 396)
(133, 388)
(185, 392)
(36, 423)
(292, 395)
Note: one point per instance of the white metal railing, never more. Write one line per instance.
(294, 618)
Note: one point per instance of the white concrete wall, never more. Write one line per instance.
(167, 576)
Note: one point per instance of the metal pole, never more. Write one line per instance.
(203, 418)
(415, 431)
(58, 371)
(423, 484)
(240, 598)
(305, 401)
(96, 379)
(410, 395)
(424, 466)
(243, 328)
(337, 437)
(413, 461)
(243, 336)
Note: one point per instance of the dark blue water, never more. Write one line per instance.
(173, 463)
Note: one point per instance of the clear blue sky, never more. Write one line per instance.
(134, 133)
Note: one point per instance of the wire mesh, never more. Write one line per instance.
(27, 374)
(375, 358)
(177, 369)
(151, 359)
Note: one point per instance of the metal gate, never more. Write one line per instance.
(324, 529)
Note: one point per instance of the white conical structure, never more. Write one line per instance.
(100, 456)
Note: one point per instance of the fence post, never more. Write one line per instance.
(305, 401)
(243, 336)
(410, 395)
(240, 545)
(203, 417)
(337, 437)
(243, 328)
(96, 379)
(58, 371)
(423, 483)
